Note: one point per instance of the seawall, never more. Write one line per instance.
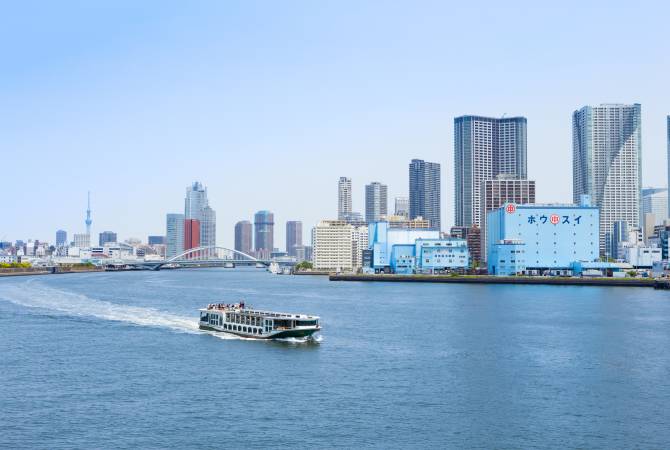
(486, 279)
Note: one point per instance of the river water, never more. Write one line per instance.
(106, 360)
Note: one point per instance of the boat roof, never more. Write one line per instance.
(258, 312)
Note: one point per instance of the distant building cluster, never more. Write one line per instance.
(612, 224)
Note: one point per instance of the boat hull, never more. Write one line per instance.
(298, 333)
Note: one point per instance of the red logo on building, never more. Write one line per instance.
(510, 208)
(554, 219)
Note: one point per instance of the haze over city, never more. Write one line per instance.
(267, 104)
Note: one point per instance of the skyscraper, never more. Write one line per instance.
(607, 149)
(293, 237)
(174, 235)
(196, 206)
(243, 237)
(264, 224)
(61, 238)
(402, 207)
(106, 237)
(424, 191)
(376, 201)
(191, 234)
(484, 147)
(343, 198)
(668, 158)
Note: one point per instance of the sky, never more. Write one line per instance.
(268, 103)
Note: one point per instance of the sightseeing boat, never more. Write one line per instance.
(253, 323)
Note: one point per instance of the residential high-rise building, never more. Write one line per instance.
(424, 191)
(402, 207)
(174, 235)
(196, 206)
(484, 147)
(61, 238)
(191, 234)
(338, 245)
(376, 202)
(655, 201)
(243, 237)
(293, 237)
(343, 198)
(106, 237)
(264, 224)
(495, 193)
(607, 150)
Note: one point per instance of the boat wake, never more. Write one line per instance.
(55, 301)
(52, 301)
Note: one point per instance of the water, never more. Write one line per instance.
(116, 360)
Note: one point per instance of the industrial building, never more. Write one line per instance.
(541, 239)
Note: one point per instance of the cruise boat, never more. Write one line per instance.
(253, 323)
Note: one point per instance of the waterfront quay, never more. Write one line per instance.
(488, 279)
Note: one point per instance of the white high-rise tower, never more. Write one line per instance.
(344, 198)
(607, 150)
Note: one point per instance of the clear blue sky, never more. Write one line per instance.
(268, 103)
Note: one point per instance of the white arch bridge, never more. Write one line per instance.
(210, 256)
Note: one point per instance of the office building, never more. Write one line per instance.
(402, 207)
(338, 246)
(484, 147)
(264, 224)
(499, 191)
(424, 191)
(61, 238)
(607, 149)
(243, 237)
(541, 239)
(293, 237)
(655, 201)
(191, 234)
(174, 235)
(376, 202)
(196, 206)
(82, 240)
(156, 240)
(344, 205)
(106, 237)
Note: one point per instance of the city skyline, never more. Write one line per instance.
(77, 86)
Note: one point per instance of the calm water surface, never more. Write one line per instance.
(115, 360)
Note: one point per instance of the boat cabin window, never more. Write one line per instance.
(204, 317)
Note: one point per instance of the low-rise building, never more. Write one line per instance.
(641, 257)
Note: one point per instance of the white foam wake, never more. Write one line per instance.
(35, 295)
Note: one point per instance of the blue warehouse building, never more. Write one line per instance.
(539, 239)
(406, 251)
